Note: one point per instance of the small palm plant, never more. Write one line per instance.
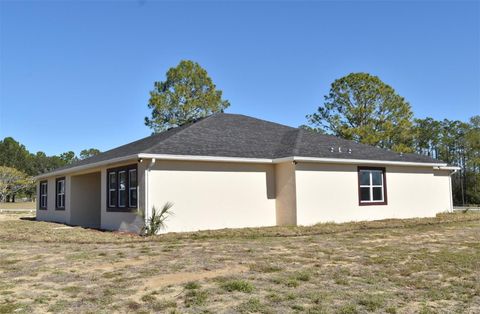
(156, 222)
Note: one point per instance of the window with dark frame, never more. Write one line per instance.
(43, 194)
(372, 186)
(60, 193)
(122, 193)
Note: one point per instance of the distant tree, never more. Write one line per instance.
(68, 157)
(15, 155)
(87, 153)
(362, 108)
(427, 136)
(12, 181)
(186, 95)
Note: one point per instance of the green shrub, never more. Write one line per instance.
(238, 285)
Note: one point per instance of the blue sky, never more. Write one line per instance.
(76, 75)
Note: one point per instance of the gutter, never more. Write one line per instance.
(440, 166)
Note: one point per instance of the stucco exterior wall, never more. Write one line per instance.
(209, 195)
(286, 200)
(329, 192)
(85, 200)
(51, 213)
(84, 191)
(123, 221)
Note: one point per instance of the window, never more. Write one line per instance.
(60, 194)
(122, 188)
(43, 194)
(132, 188)
(372, 186)
(112, 189)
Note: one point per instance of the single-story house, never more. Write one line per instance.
(229, 171)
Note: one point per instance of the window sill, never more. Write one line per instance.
(62, 209)
(122, 209)
(372, 203)
(42, 208)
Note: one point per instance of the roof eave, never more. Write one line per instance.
(359, 161)
(85, 167)
(442, 166)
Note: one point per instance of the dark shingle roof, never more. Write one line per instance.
(233, 135)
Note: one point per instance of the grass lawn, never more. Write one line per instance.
(17, 205)
(393, 266)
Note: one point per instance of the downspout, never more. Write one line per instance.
(147, 190)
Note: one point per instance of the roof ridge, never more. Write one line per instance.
(184, 127)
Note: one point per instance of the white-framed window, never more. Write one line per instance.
(372, 186)
(43, 194)
(112, 189)
(60, 193)
(122, 188)
(132, 188)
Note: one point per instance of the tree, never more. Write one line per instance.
(15, 155)
(68, 157)
(87, 153)
(186, 95)
(362, 108)
(12, 181)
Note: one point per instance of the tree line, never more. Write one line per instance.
(18, 166)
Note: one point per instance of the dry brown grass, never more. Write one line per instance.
(394, 266)
(17, 205)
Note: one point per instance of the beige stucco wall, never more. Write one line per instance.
(85, 200)
(329, 192)
(123, 221)
(286, 201)
(51, 214)
(85, 184)
(209, 195)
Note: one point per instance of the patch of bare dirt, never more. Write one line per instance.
(160, 281)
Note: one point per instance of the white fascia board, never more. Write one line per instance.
(85, 167)
(358, 161)
(442, 166)
(206, 158)
(453, 168)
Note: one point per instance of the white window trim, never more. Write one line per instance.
(110, 190)
(130, 188)
(371, 186)
(61, 204)
(119, 189)
(43, 194)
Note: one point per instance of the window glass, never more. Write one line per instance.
(133, 178)
(364, 194)
(112, 179)
(133, 198)
(122, 188)
(377, 194)
(112, 194)
(376, 177)
(364, 177)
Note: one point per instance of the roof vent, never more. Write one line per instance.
(331, 149)
(339, 149)
(349, 150)
(401, 154)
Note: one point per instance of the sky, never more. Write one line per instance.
(77, 74)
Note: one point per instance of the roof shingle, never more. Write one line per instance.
(233, 135)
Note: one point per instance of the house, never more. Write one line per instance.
(229, 171)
